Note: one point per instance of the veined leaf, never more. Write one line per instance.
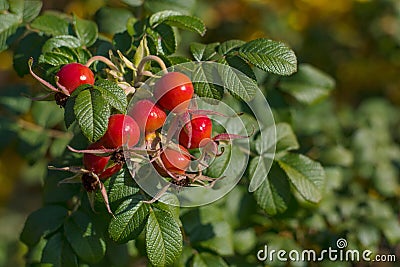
(163, 238)
(86, 31)
(85, 241)
(92, 113)
(203, 52)
(270, 56)
(237, 83)
(307, 176)
(207, 83)
(274, 193)
(309, 85)
(184, 6)
(51, 24)
(166, 42)
(130, 220)
(174, 18)
(112, 94)
(59, 41)
(229, 46)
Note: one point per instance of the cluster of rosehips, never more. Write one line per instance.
(190, 129)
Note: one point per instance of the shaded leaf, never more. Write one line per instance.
(205, 259)
(309, 85)
(230, 46)
(58, 252)
(35, 227)
(203, 52)
(274, 193)
(8, 26)
(83, 237)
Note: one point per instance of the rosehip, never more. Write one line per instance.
(148, 115)
(175, 161)
(174, 90)
(73, 75)
(98, 164)
(122, 130)
(200, 132)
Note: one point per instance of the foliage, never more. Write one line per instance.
(324, 183)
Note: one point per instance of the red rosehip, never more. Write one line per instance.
(148, 116)
(200, 132)
(174, 90)
(122, 130)
(98, 164)
(175, 161)
(74, 74)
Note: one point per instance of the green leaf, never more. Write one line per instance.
(56, 58)
(306, 175)
(241, 65)
(219, 165)
(129, 221)
(309, 85)
(205, 84)
(12, 98)
(120, 187)
(31, 10)
(166, 41)
(216, 236)
(8, 26)
(112, 94)
(86, 31)
(69, 113)
(163, 238)
(51, 24)
(4, 6)
(36, 227)
(92, 113)
(46, 114)
(169, 203)
(83, 237)
(229, 46)
(59, 252)
(205, 259)
(59, 41)
(270, 56)
(112, 20)
(274, 193)
(238, 84)
(174, 18)
(202, 52)
(183, 6)
(29, 46)
(285, 139)
(133, 3)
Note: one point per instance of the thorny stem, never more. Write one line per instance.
(102, 59)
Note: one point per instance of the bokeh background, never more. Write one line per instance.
(356, 131)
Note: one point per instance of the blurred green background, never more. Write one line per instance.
(355, 41)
